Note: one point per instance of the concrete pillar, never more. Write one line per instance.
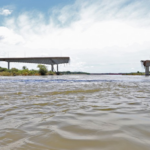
(147, 70)
(8, 65)
(57, 67)
(52, 68)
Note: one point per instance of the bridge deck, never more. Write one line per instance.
(38, 60)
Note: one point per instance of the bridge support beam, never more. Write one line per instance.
(8, 65)
(57, 68)
(52, 68)
(147, 70)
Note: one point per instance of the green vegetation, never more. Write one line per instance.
(51, 73)
(42, 69)
(3, 69)
(68, 72)
(25, 71)
(134, 73)
(24, 68)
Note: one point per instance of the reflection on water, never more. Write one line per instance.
(75, 113)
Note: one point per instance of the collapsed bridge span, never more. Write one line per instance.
(38, 60)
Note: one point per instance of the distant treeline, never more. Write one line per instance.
(76, 72)
(44, 71)
(131, 73)
(134, 73)
(25, 71)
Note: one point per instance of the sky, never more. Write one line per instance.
(100, 36)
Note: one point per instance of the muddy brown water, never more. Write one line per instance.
(75, 113)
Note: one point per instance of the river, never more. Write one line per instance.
(75, 112)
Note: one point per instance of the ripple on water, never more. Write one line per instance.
(74, 112)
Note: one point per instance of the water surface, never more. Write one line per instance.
(75, 113)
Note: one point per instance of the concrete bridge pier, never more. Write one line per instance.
(52, 68)
(57, 70)
(57, 67)
(8, 65)
(146, 64)
(147, 71)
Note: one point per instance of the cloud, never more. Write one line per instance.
(10, 37)
(5, 12)
(99, 36)
(1, 38)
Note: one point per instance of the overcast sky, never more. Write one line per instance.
(98, 35)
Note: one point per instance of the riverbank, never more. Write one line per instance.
(44, 71)
(36, 73)
(131, 73)
(24, 73)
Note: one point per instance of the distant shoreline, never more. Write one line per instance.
(132, 73)
(44, 71)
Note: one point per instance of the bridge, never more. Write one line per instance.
(38, 60)
(146, 64)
